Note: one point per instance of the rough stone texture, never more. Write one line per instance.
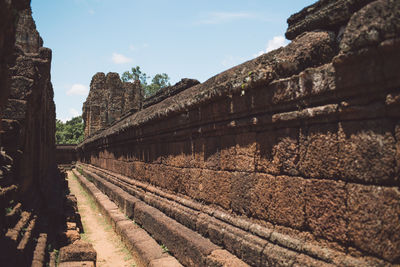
(373, 24)
(109, 98)
(30, 107)
(301, 143)
(32, 189)
(8, 15)
(169, 91)
(323, 15)
(143, 247)
(78, 251)
(65, 154)
(132, 96)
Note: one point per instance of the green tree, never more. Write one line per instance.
(135, 75)
(70, 132)
(159, 80)
(60, 138)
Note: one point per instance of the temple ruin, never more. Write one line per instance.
(37, 215)
(289, 159)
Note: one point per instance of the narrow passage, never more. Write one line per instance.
(110, 249)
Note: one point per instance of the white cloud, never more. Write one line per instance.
(274, 43)
(223, 17)
(77, 89)
(74, 112)
(91, 12)
(120, 59)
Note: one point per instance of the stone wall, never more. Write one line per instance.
(33, 204)
(65, 154)
(7, 40)
(302, 142)
(28, 117)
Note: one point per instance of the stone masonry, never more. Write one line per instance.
(289, 159)
(108, 99)
(34, 208)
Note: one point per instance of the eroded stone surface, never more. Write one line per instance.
(78, 251)
(304, 139)
(374, 23)
(29, 178)
(109, 98)
(323, 15)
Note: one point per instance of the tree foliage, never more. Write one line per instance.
(159, 80)
(70, 132)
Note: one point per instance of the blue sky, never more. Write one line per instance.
(185, 39)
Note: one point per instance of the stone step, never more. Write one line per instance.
(189, 247)
(253, 243)
(25, 246)
(39, 254)
(53, 259)
(12, 216)
(143, 247)
(13, 236)
(27, 236)
(16, 233)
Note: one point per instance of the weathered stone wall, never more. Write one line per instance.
(8, 18)
(108, 99)
(303, 141)
(33, 205)
(65, 154)
(28, 118)
(169, 91)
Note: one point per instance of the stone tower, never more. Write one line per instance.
(109, 98)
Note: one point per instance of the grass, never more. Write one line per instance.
(164, 248)
(90, 199)
(80, 170)
(56, 253)
(8, 210)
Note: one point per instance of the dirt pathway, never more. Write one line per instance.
(110, 250)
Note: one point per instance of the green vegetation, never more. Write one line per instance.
(164, 248)
(8, 210)
(159, 80)
(70, 132)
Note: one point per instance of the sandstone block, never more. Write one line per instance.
(325, 209)
(78, 251)
(367, 152)
(318, 151)
(278, 151)
(374, 223)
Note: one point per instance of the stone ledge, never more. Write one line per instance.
(141, 245)
(78, 251)
(190, 247)
(229, 234)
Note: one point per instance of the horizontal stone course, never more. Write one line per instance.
(295, 149)
(227, 236)
(188, 246)
(142, 246)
